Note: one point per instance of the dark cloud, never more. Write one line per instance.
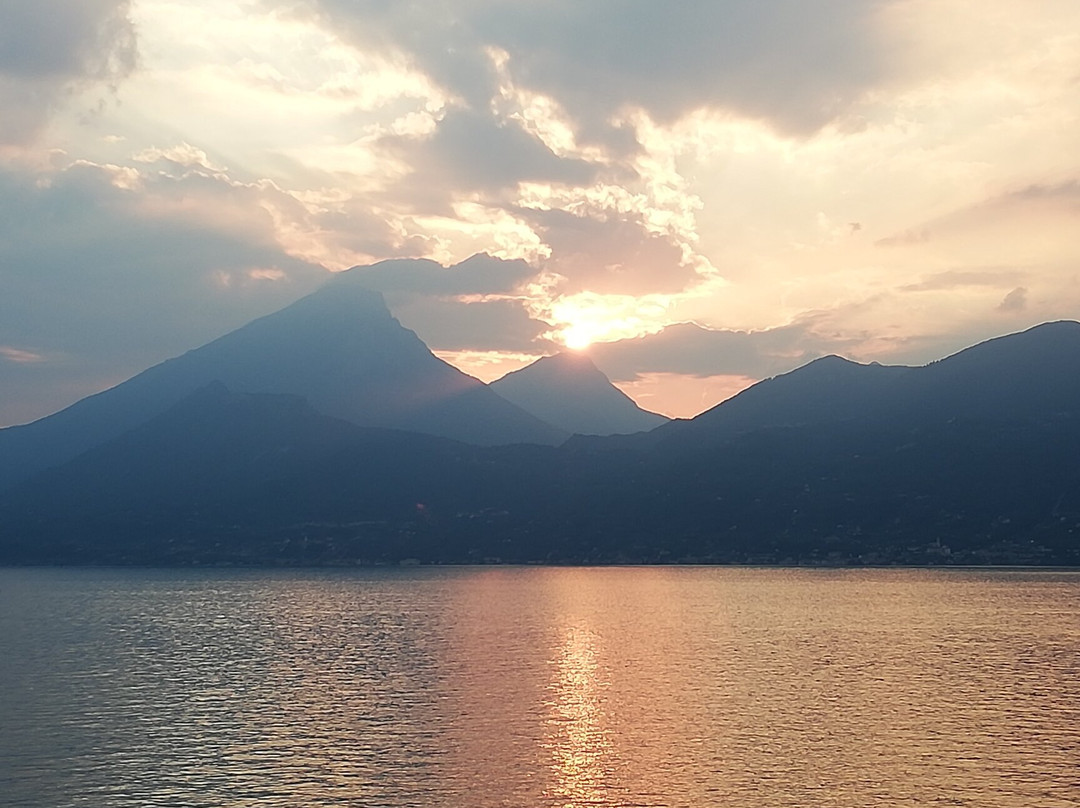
(401, 279)
(467, 306)
(797, 64)
(102, 279)
(48, 47)
(614, 254)
(474, 151)
(360, 231)
(794, 63)
(690, 349)
(490, 325)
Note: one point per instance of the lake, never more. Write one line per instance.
(538, 687)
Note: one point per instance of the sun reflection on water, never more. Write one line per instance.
(577, 737)
(540, 688)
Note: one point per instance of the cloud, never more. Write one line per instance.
(1017, 208)
(50, 47)
(610, 253)
(474, 151)
(19, 356)
(1015, 301)
(795, 64)
(182, 156)
(340, 231)
(30, 390)
(476, 305)
(690, 349)
(905, 238)
(678, 396)
(1067, 192)
(106, 271)
(482, 325)
(402, 279)
(961, 279)
(703, 161)
(728, 357)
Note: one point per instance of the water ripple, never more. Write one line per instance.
(486, 688)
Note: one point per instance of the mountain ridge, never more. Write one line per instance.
(1011, 375)
(339, 347)
(972, 479)
(570, 392)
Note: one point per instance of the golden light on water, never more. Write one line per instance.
(545, 688)
(577, 737)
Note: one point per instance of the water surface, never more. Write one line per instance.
(478, 687)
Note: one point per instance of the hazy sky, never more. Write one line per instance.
(731, 187)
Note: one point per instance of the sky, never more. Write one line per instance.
(700, 194)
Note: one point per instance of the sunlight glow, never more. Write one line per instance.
(578, 337)
(683, 396)
(895, 210)
(580, 320)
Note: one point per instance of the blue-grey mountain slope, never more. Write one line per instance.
(568, 391)
(971, 460)
(339, 348)
(1028, 374)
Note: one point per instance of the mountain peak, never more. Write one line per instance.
(564, 363)
(339, 348)
(347, 291)
(831, 363)
(342, 349)
(569, 391)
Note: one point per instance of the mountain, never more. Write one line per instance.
(828, 390)
(971, 460)
(340, 348)
(1034, 373)
(259, 478)
(568, 391)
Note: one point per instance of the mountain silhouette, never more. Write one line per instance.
(970, 460)
(1031, 374)
(218, 450)
(339, 347)
(238, 477)
(568, 391)
(1034, 373)
(827, 390)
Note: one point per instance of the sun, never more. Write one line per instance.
(587, 318)
(577, 337)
